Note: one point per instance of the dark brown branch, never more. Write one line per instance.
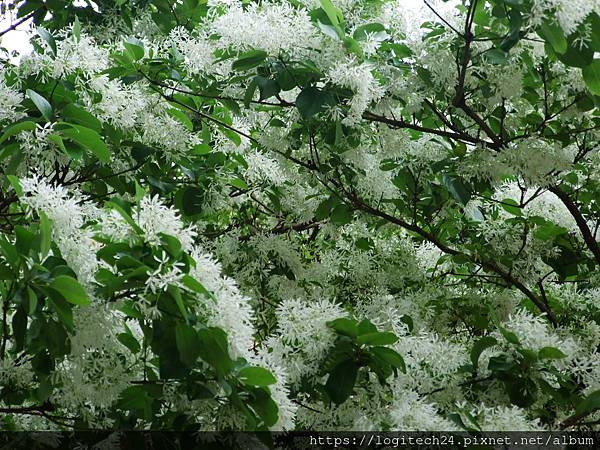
(20, 21)
(588, 237)
(463, 137)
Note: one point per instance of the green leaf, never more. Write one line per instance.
(76, 29)
(377, 338)
(48, 38)
(457, 188)
(249, 94)
(392, 357)
(256, 376)
(70, 289)
(509, 336)
(312, 101)
(341, 215)
(6, 273)
(89, 139)
(333, 13)
(181, 117)
(124, 215)
(334, 32)
(249, 60)
(74, 113)
(478, 348)
(576, 55)
(27, 125)
(589, 404)
(591, 76)
(511, 206)
(41, 104)
(134, 47)
(375, 31)
(192, 200)
(9, 251)
(194, 285)
(550, 30)
(264, 406)
(213, 350)
(267, 88)
(550, 353)
(340, 382)
(344, 326)
(365, 326)
(16, 184)
(63, 310)
(129, 341)
(188, 343)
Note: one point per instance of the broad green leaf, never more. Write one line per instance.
(312, 101)
(27, 125)
(41, 104)
(478, 348)
(377, 338)
(135, 47)
(457, 188)
(510, 336)
(16, 184)
(333, 13)
(194, 285)
(188, 343)
(63, 310)
(70, 289)
(551, 31)
(264, 406)
(344, 326)
(341, 215)
(267, 87)
(129, 341)
(511, 206)
(192, 200)
(576, 55)
(256, 376)
(89, 139)
(73, 113)
(389, 355)
(340, 383)
(589, 404)
(9, 251)
(214, 350)
(365, 326)
(48, 38)
(181, 117)
(551, 353)
(77, 28)
(249, 60)
(591, 76)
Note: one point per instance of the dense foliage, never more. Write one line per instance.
(301, 214)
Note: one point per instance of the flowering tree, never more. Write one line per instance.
(301, 214)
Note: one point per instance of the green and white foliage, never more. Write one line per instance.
(359, 214)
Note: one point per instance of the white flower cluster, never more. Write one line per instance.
(74, 55)
(10, 100)
(76, 242)
(302, 338)
(272, 27)
(359, 78)
(568, 13)
(261, 168)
